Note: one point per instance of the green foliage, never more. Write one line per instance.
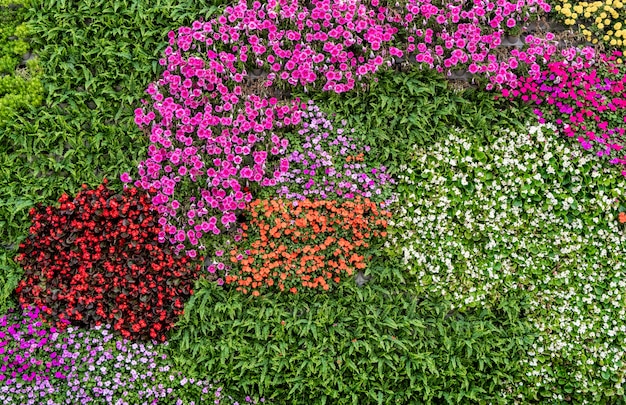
(20, 90)
(399, 110)
(20, 87)
(375, 344)
(10, 275)
(96, 59)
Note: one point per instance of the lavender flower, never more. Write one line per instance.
(40, 365)
(329, 167)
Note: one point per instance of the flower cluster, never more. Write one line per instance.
(585, 96)
(206, 130)
(96, 259)
(599, 21)
(21, 337)
(524, 211)
(330, 164)
(466, 36)
(304, 244)
(211, 159)
(40, 365)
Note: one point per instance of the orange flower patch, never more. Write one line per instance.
(304, 244)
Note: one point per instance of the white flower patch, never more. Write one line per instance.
(524, 212)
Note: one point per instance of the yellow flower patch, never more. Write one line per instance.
(597, 20)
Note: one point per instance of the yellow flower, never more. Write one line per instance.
(578, 9)
(613, 42)
(600, 26)
(617, 26)
(607, 22)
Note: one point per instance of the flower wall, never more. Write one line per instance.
(245, 189)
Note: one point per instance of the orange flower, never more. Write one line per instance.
(293, 253)
(622, 217)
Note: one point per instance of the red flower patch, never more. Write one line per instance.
(96, 259)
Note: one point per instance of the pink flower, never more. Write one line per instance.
(246, 173)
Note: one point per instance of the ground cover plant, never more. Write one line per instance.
(599, 21)
(326, 241)
(398, 111)
(19, 88)
(372, 344)
(454, 226)
(328, 162)
(583, 94)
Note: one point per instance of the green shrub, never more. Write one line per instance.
(20, 90)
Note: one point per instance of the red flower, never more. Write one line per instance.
(117, 270)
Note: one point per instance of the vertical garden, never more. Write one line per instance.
(289, 201)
